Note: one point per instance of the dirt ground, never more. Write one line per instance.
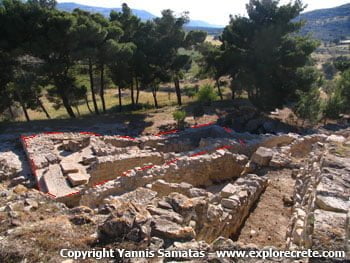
(142, 122)
(270, 218)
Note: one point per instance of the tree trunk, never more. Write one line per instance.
(178, 91)
(43, 108)
(102, 91)
(219, 89)
(92, 86)
(154, 93)
(11, 112)
(132, 94)
(22, 105)
(25, 112)
(77, 109)
(233, 95)
(87, 104)
(67, 105)
(137, 90)
(120, 98)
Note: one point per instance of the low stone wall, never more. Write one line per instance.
(227, 213)
(145, 214)
(321, 204)
(111, 167)
(301, 226)
(202, 170)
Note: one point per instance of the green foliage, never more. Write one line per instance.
(329, 70)
(309, 105)
(329, 86)
(207, 94)
(180, 116)
(213, 63)
(49, 4)
(332, 108)
(344, 87)
(190, 91)
(342, 63)
(265, 54)
(195, 37)
(44, 48)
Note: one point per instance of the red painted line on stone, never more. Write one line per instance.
(167, 132)
(202, 125)
(226, 147)
(52, 133)
(198, 154)
(147, 167)
(126, 137)
(51, 195)
(101, 183)
(90, 133)
(171, 161)
(34, 168)
(72, 194)
(227, 129)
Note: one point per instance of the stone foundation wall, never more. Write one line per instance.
(201, 170)
(180, 216)
(110, 167)
(321, 204)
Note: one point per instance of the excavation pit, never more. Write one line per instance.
(68, 165)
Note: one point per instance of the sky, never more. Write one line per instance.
(215, 12)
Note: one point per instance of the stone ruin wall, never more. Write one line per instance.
(321, 218)
(200, 184)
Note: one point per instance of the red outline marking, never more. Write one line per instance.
(147, 167)
(51, 195)
(126, 137)
(227, 129)
(167, 132)
(52, 133)
(71, 194)
(226, 147)
(101, 183)
(171, 161)
(25, 141)
(198, 154)
(202, 125)
(90, 133)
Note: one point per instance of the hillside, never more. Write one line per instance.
(144, 15)
(69, 7)
(328, 24)
(324, 24)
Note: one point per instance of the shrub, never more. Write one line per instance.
(190, 91)
(344, 89)
(179, 116)
(309, 105)
(206, 94)
(329, 70)
(333, 106)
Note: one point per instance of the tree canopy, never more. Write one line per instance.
(266, 53)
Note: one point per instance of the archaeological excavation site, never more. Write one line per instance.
(205, 188)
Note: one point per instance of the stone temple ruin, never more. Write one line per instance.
(198, 184)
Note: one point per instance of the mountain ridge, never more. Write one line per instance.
(142, 14)
(327, 24)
